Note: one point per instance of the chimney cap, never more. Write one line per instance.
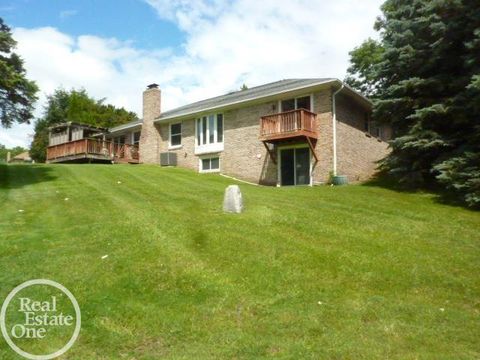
(152, 86)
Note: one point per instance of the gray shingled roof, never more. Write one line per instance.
(245, 95)
(126, 125)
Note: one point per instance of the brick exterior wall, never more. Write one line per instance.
(150, 135)
(322, 106)
(245, 157)
(357, 151)
(186, 153)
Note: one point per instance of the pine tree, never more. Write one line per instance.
(427, 87)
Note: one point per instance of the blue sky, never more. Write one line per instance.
(132, 20)
(194, 49)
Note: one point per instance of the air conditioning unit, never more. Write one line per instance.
(168, 159)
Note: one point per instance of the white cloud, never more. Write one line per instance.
(6, 8)
(228, 44)
(64, 14)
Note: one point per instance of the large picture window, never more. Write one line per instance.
(209, 133)
(175, 134)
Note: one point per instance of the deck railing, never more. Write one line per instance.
(97, 147)
(289, 123)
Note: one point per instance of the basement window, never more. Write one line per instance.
(210, 164)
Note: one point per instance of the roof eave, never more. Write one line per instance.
(122, 128)
(265, 97)
(355, 93)
(72, 123)
(246, 101)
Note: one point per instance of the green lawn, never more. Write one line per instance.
(354, 272)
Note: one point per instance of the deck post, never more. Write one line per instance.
(271, 153)
(312, 149)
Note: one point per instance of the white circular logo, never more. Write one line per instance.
(29, 308)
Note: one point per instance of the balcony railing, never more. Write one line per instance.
(288, 124)
(93, 148)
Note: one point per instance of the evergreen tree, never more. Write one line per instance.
(75, 106)
(17, 93)
(427, 86)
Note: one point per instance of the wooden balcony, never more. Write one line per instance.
(288, 125)
(92, 150)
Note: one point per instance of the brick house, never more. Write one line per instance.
(290, 132)
(280, 133)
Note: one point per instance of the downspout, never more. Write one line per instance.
(334, 127)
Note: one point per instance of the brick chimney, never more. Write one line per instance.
(150, 135)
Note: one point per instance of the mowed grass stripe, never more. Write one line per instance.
(344, 272)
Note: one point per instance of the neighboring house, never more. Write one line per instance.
(23, 157)
(74, 142)
(290, 132)
(128, 133)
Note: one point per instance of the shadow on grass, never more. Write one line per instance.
(441, 196)
(19, 175)
(386, 182)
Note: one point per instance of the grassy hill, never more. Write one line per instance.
(352, 272)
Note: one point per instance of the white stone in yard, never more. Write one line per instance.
(233, 201)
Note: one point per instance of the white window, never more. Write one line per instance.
(209, 134)
(119, 140)
(210, 164)
(175, 135)
(136, 138)
(304, 102)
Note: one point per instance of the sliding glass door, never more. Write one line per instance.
(295, 166)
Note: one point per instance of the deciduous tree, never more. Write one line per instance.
(75, 106)
(17, 93)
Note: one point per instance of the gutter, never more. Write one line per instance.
(166, 118)
(334, 127)
(233, 103)
(126, 126)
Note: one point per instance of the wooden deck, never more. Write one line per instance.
(93, 150)
(290, 126)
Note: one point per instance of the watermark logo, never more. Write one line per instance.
(40, 314)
